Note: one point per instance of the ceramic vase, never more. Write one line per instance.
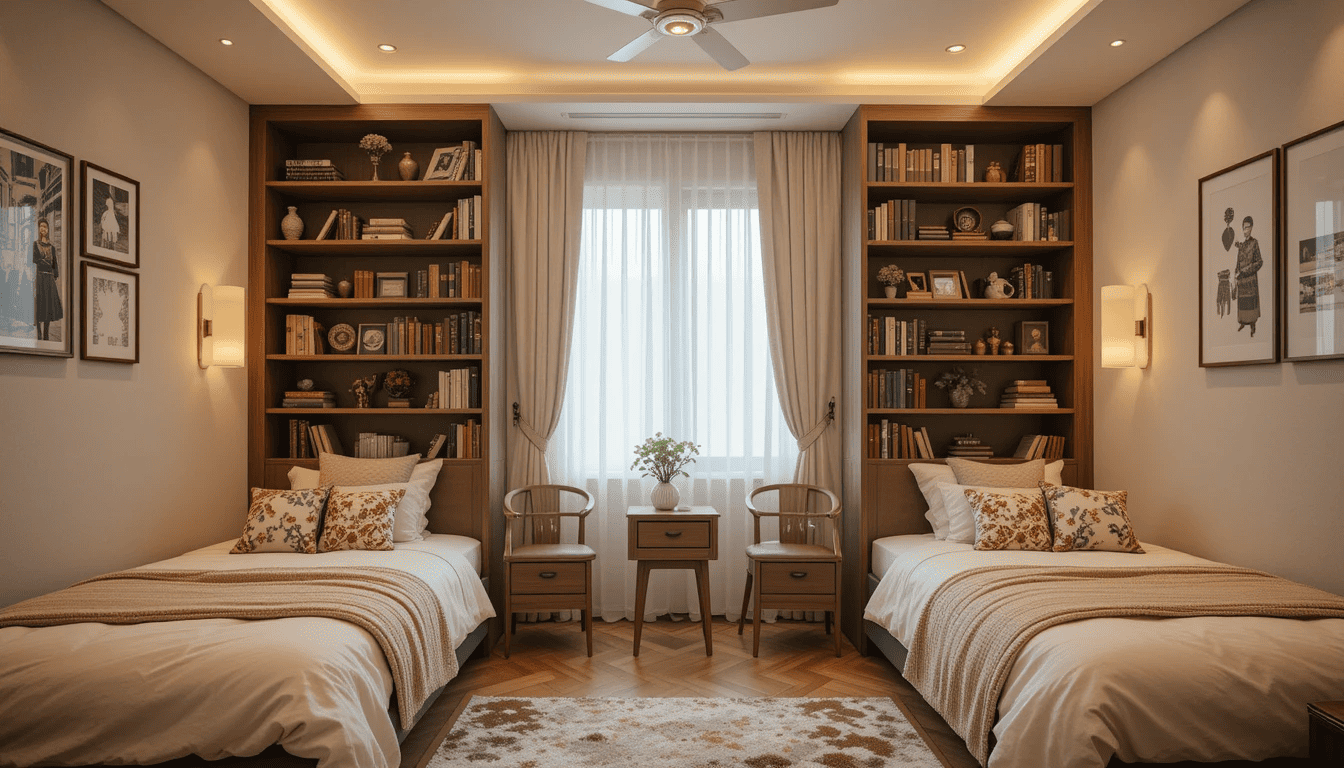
(344, 289)
(890, 291)
(961, 398)
(1001, 230)
(407, 167)
(665, 497)
(292, 226)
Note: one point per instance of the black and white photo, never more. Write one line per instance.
(1313, 300)
(111, 317)
(111, 204)
(372, 339)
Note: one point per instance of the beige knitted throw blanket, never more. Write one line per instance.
(973, 626)
(398, 609)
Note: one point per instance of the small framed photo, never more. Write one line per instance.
(945, 284)
(372, 339)
(111, 205)
(441, 164)
(1313, 291)
(391, 285)
(111, 317)
(1238, 263)
(1033, 337)
(917, 281)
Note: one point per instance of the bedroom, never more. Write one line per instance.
(123, 465)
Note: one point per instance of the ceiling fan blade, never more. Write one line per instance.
(629, 7)
(636, 46)
(720, 50)
(737, 10)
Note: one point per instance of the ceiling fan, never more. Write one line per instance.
(692, 18)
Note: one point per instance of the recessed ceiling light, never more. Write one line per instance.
(958, 48)
(387, 48)
(1117, 43)
(225, 41)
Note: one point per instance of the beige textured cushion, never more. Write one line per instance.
(1010, 520)
(359, 519)
(347, 470)
(1090, 520)
(282, 521)
(1028, 474)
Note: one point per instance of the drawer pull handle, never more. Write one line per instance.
(798, 574)
(672, 534)
(547, 574)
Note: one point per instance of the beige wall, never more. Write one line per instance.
(105, 466)
(1237, 464)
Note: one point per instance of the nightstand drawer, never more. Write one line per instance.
(672, 534)
(548, 578)
(798, 578)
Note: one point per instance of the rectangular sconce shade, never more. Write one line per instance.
(1125, 337)
(230, 311)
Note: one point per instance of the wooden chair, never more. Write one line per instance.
(791, 573)
(544, 575)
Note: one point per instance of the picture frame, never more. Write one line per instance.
(1033, 337)
(1313, 250)
(1238, 238)
(918, 282)
(945, 284)
(110, 321)
(372, 339)
(391, 285)
(441, 164)
(36, 271)
(110, 221)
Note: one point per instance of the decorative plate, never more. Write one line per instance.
(966, 219)
(341, 337)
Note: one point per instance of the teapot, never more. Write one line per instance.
(998, 288)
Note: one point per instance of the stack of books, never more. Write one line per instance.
(308, 399)
(969, 447)
(307, 285)
(312, 170)
(372, 445)
(386, 229)
(947, 342)
(927, 232)
(1048, 447)
(1029, 393)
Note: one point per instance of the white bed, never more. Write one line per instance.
(1143, 690)
(143, 693)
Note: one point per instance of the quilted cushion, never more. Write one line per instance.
(347, 470)
(282, 521)
(1028, 474)
(1010, 520)
(359, 519)
(1090, 520)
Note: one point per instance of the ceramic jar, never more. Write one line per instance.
(1001, 230)
(291, 226)
(665, 497)
(407, 167)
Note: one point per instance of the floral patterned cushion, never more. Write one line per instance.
(1010, 520)
(1090, 520)
(359, 519)
(282, 521)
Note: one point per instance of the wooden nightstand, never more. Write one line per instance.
(678, 539)
(1326, 720)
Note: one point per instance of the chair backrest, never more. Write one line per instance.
(801, 506)
(533, 513)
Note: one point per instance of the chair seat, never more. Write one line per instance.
(552, 552)
(774, 550)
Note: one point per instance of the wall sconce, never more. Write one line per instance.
(1126, 335)
(220, 323)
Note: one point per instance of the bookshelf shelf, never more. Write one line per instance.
(962, 249)
(970, 411)
(376, 303)
(376, 191)
(971, 358)
(375, 358)
(973, 192)
(377, 248)
(373, 411)
(917, 304)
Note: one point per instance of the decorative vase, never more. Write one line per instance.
(1007, 348)
(979, 346)
(1001, 230)
(890, 291)
(344, 289)
(407, 167)
(292, 226)
(961, 398)
(665, 497)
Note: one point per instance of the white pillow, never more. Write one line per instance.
(412, 512)
(929, 476)
(960, 511)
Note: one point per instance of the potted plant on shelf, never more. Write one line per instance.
(890, 276)
(664, 458)
(960, 385)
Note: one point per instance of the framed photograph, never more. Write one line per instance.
(36, 280)
(945, 284)
(917, 281)
(372, 339)
(1238, 258)
(111, 317)
(441, 164)
(1313, 282)
(111, 223)
(1033, 337)
(391, 285)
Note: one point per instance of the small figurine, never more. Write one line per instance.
(433, 402)
(994, 174)
(305, 385)
(1007, 348)
(998, 288)
(363, 388)
(979, 346)
(993, 341)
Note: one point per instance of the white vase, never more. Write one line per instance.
(292, 226)
(890, 291)
(665, 496)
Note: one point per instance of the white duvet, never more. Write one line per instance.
(95, 693)
(1145, 690)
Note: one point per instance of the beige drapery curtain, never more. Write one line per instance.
(545, 211)
(798, 177)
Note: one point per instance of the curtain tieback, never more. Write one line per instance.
(814, 433)
(527, 430)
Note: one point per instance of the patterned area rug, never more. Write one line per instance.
(683, 733)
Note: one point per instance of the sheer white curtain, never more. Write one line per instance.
(670, 336)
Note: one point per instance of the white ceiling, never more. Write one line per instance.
(540, 61)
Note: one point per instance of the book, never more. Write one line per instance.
(327, 226)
